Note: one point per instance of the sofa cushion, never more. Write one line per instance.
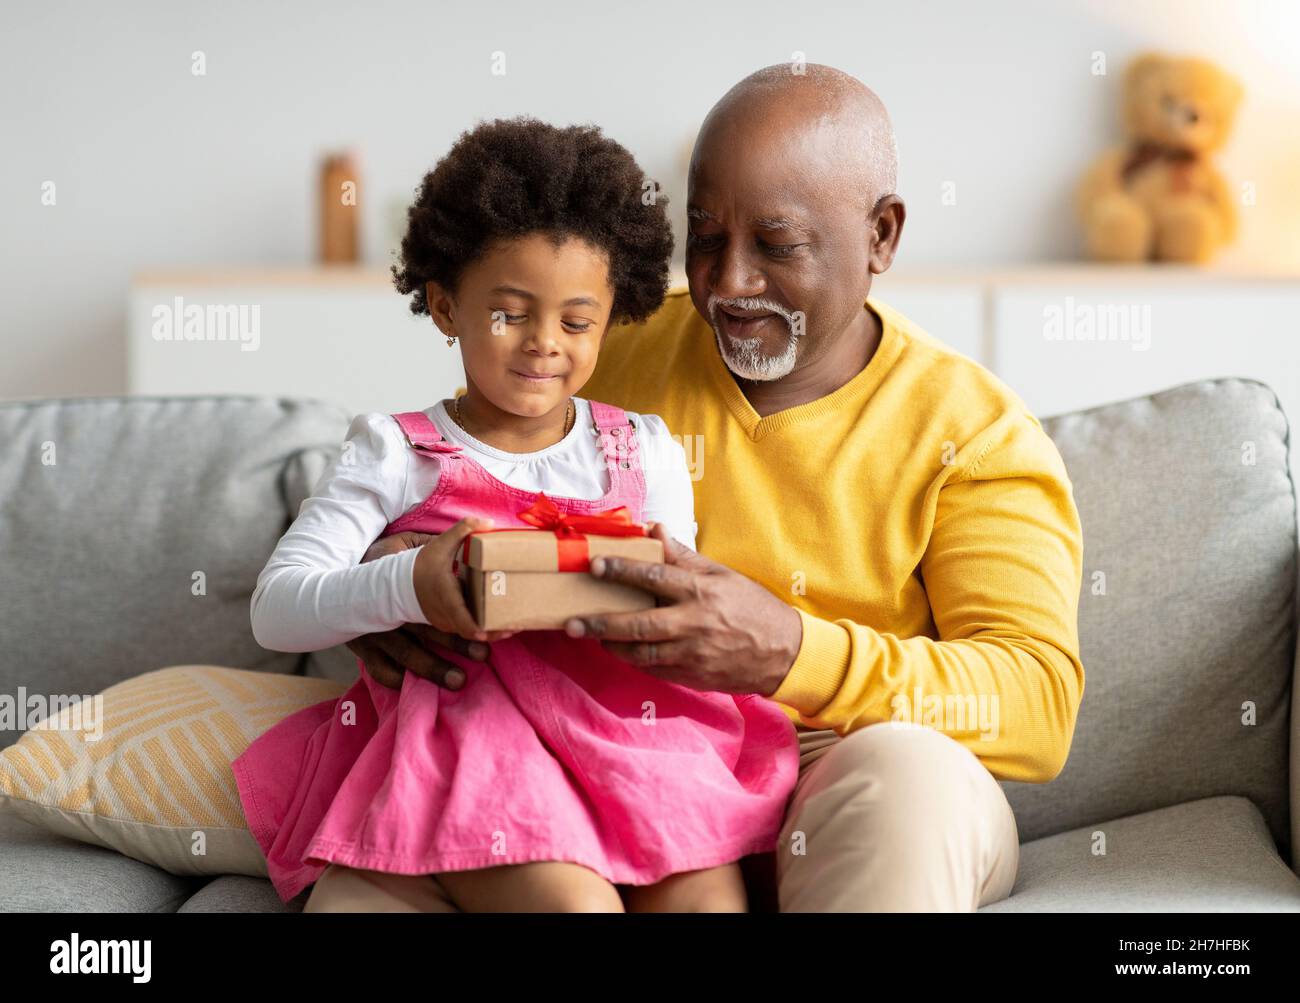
(1213, 855)
(42, 872)
(1187, 615)
(113, 506)
(145, 767)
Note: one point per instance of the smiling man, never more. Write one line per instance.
(888, 542)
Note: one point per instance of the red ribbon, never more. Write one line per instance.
(571, 529)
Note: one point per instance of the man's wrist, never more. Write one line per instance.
(819, 668)
(789, 644)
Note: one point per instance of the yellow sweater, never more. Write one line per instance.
(918, 518)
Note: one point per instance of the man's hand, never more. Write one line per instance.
(389, 654)
(713, 629)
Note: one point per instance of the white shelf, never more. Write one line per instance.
(343, 333)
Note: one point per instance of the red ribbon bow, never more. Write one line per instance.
(571, 529)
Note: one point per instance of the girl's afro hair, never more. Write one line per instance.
(512, 177)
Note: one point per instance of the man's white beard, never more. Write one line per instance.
(745, 356)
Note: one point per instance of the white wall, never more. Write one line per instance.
(155, 167)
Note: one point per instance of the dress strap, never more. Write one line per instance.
(607, 416)
(618, 440)
(423, 434)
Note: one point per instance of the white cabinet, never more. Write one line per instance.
(1175, 334)
(342, 335)
(1064, 337)
(1075, 336)
(953, 310)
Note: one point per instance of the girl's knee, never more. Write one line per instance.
(717, 889)
(351, 889)
(588, 898)
(541, 886)
(338, 889)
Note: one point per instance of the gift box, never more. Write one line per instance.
(536, 579)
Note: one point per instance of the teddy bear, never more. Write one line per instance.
(1160, 198)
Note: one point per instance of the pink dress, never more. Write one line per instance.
(553, 749)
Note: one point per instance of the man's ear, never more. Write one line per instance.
(441, 307)
(887, 221)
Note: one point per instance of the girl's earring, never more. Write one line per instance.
(451, 340)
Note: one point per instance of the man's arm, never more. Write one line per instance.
(1002, 573)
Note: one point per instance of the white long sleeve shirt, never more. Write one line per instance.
(313, 594)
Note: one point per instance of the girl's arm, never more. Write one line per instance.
(313, 594)
(669, 494)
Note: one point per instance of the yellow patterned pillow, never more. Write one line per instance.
(144, 768)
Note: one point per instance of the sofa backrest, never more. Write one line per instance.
(1187, 615)
(132, 531)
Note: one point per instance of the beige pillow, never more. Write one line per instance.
(145, 768)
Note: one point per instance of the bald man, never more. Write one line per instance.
(888, 542)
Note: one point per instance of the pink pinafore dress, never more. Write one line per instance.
(553, 749)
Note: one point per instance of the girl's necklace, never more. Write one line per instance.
(571, 415)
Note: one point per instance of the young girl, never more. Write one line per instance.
(557, 777)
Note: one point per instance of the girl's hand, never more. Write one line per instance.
(438, 589)
(415, 647)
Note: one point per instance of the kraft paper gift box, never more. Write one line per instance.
(536, 579)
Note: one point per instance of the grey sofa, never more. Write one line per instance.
(1188, 618)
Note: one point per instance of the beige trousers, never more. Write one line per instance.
(894, 817)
